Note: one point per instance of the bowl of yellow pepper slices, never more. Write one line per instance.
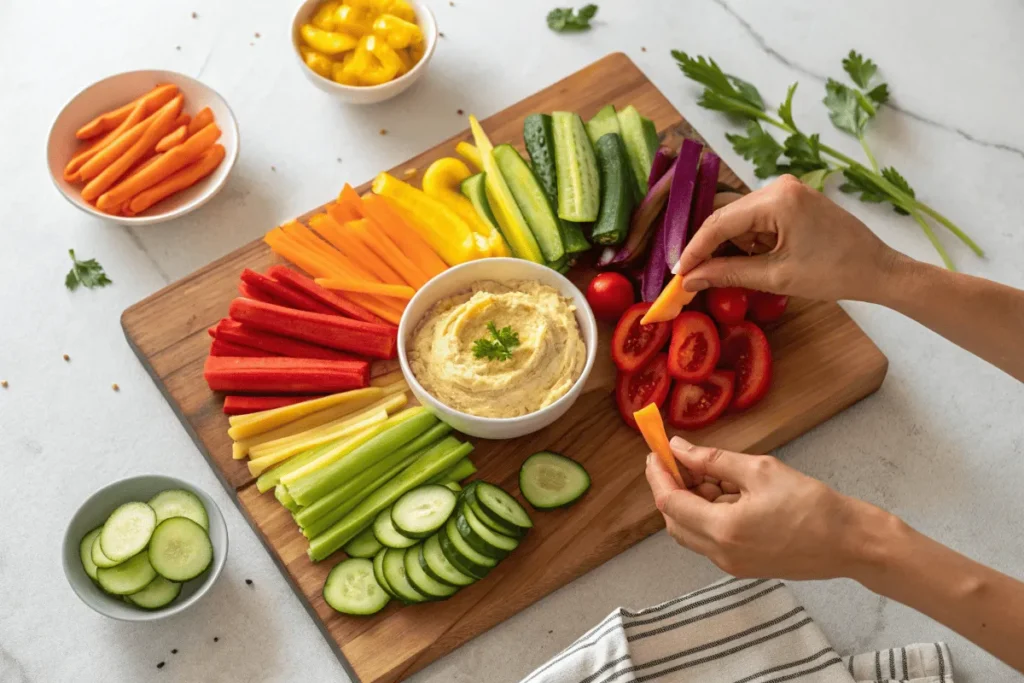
(364, 51)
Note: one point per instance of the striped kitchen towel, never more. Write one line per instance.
(733, 631)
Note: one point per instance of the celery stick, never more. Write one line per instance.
(462, 469)
(322, 482)
(346, 491)
(272, 477)
(284, 499)
(430, 465)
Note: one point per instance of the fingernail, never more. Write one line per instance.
(695, 285)
(676, 269)
(649, 456)
(679, 443)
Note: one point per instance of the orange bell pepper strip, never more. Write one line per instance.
(419, 250)
(648, 419)
(151, 101)
(669, 303)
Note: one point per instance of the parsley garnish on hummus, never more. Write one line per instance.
(498, 348)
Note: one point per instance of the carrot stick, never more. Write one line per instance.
(169, 162)
(160, 127)
(648, 419)
(366, 287)
(334, 259)
(151, 101)
(79, 160)
(342, 213)
(175, 137)
(182, 120)
(350, 201)
(419, 251)
(669, 303)
(116, 148)
(355, 250)
(180, 180)
(374, 238)
(200, 121)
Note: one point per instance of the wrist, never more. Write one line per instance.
(874, 544)
(896, 274)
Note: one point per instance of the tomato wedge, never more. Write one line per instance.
(746, 352)
(695, 406)
(634, 344)
(695, 348)
(649, 384)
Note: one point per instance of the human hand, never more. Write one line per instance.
(813, 248)
(780, 524)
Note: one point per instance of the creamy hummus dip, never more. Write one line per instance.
(542, 368)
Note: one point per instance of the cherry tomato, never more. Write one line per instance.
(728, 305)
(767, 308)
(746, 352)
(695, 347)
(610, 294)
(695, 406)
(649, 384)
(634, 344)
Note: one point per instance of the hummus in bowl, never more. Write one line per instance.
(545, 361)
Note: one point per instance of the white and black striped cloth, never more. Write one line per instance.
(733, 631)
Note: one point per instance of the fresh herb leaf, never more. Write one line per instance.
(804, 154)
(861, 70)
(498, 348)
(894, 177)
(844, 108)
(786, 108)
(879, 94)
(88, 273)
(816, 179)
(747, 92)
(760, 147)
(718, 83)
(858, 182)
(564, 19)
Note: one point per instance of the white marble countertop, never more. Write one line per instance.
(941, 444)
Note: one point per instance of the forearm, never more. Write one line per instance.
(979, 603)
(983, 317)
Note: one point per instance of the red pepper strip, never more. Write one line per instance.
(277, 375)
(220, 347)
(339, 303)
(274, 345)
(285, 295)
(243, 405)
(212, 331)
(333, 331)
(250, 292)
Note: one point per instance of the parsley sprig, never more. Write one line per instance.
(88, 273)
(850, 108)
(563, 19)
(499, 347)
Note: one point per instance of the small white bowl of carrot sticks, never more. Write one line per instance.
(142, 147)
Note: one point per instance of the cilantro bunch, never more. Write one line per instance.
(850, 108)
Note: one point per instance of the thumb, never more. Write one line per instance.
(730, 271)
(713, 462)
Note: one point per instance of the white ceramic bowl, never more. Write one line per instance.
(94, 512)
(370, 94)
(111, 93)
(458, 279)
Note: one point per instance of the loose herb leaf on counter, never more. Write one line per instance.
(88, 273)
(498, 348)
(564, 19)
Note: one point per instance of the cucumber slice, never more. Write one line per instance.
(422, 511)
(491, 521)
(482, 538)
(98, 558)
(617, 191)
(180, 550)
(579, 186)
(378, 573)
(386, 533)
(437, 565)
(393, 568)
(605, 121)
(85, 552)
(158, 593)
(636, 135)
(129, 577)
(422, 581)
(464, 556)
(501, 505)
(180, 503)
(531, 200)
(364, 545)
(127, 530)
(539, 136)
(551, 480)
(352, 589)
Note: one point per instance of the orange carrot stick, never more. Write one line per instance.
(117, 147)
(200, 121)
(74, 166)
(355, 250)
(284, 246)
(366, 287)
(178, 181)
(170, 161)
(343, 213)
(182, 120)
(172, 139)
(378, 209)
(375, 239)
(302, 235)
(669, 303)
(151, 101)
(105, 180)
(648, 419)
(351, 202)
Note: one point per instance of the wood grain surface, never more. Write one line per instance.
(823, 363)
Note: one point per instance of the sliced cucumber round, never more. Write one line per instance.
(437, 565)
(158, 593)
(423, 510)
(98, 558)
(180, 550)
(464, 556)
(378, 573)
(551, 480)
(180, 503)
(422, 581)
(490, 520)
(480, 537)
(386, 533)
(457, 560)
(500, 505)
(127, 530)
(393, 567)
(364, 545)
(85, 552)
(129, 577)
(352, 589)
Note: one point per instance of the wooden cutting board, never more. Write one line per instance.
(823, 363)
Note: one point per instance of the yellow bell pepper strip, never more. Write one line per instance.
(319, 63)
(441, 181)
(416, 51)
(324, 17)
(344, 72)
(389, 60)
(354, 21)
(444, 231)
(398, 8)
(471, 154)
(367, 68)
(510, 218)
(327, 42)
(407, 63)
(398, 33)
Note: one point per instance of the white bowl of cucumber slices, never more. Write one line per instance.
(145, 548)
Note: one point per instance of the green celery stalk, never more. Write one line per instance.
(284, 499)
(430, 465)
(462, 469)
(272, 477)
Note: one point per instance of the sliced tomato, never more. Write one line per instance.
(728, 305)
(695, 347)
(745, 351)
(634, 344)
(767, 308)
(649, 384)
(695, 406)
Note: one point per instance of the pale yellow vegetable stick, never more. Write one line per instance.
(347, 445)
(258, 466)
(265, 420)
(471, 154)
